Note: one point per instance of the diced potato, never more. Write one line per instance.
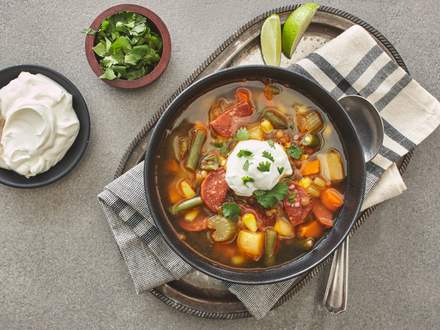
(251, 244)
(284, 228)
(255, 133)
(250, 222)
(266, 126)
(305, 182)
(331, 166)
(191, 215)
(186, 189)
(238, 260)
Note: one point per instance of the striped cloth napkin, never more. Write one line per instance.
(352, 63)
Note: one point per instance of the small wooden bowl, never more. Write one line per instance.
(160, 28)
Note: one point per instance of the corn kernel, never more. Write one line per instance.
(250, 222)
(313, 191)
(266, 126)
(255, 133)
(304, 157)
(191, 215)
(305, 182)
(222, 161)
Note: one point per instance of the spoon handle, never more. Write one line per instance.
(335, 297)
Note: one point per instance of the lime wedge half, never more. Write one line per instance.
(295, 26)
(270, 39)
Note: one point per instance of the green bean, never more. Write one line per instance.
(303, 244)
(311, 140)
(185, 205)
(210, 162)
(277, 119)
(270, 243)
(194, 151)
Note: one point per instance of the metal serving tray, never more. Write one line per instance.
(197, 294)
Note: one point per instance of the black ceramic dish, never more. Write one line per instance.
(354, 190)
(76, 151)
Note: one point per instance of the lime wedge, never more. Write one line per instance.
(295, 26)
(270, 39)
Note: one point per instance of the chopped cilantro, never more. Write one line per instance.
(242, 134)
(280, 170)
(269, 198)
(264, 166)
(244, 153)
(126, 46)
(246, 165)
(222, 147)
(294, 151)
(230, 210)
(268, 155)
(247, 179)
(271, 143)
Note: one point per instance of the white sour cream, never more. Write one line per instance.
(243, 165)
(40, 124)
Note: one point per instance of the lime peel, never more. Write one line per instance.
(270, 39)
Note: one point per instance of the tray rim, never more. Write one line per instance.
(195, 74)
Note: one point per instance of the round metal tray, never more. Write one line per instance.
(197, 294)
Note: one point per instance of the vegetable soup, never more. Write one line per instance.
(252, 175)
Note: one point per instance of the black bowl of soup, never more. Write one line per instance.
(254, 175)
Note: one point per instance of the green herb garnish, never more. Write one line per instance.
(268, 155)
(294, 151)
(263, 167)
(268, 198)
(126, 46)
(89, 31)
(222, 147)
(244, 153)
(246, 165)
(271, 143)
(242, 134)
(247, 179)
(230, 210)
(280, 170)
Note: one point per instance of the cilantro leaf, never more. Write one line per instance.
(271, 143)
(269, 198)
(268, 155)
(108, 74)
(247, 179)
(244, 153)
(280, 170)
(294, 151)
(230, 210)
(222, 147)
(263, 166)
(246, 165)
(242, 134)
(89, 31)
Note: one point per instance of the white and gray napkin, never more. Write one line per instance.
(352, 63)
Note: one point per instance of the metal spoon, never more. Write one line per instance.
(369, 127)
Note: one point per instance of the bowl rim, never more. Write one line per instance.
(278, 273)
(84, 126)
(164, 58)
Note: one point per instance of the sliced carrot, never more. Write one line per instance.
(310, 167)
(310, 229)
(322, 214)
(332, 199)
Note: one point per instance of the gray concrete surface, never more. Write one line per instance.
(59, 265)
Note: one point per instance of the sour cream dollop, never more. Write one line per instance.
(40, 124)
(256, 165)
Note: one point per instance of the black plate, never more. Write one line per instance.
(76, 151)
(354, 185)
